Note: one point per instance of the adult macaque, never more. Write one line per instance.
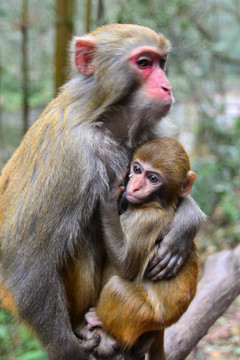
(131, 305)
(52, 252)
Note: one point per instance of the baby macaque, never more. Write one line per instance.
(131, 305)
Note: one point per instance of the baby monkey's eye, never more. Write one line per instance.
(153, 179)
(162, 62)
(137, 169)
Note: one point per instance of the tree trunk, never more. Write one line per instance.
(64, 33)
(88, 15)
(25, 79)
(219, 286)
(100, 13)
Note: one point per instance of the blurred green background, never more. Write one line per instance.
(204, 69)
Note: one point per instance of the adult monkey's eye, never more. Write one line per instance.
(137, 169)
(143, 62)
(153, 179)
(162, 62)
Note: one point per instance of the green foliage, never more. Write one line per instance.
(204, 190)
(16, 343)
(218, 191)
(40, 53)
(231, 206)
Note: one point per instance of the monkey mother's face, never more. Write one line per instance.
(128, 63)
(149, 65)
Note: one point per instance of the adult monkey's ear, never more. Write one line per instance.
(84, 54)
(187, 184)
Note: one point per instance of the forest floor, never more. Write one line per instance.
(222, 341)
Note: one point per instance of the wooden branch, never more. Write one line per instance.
(219, 286)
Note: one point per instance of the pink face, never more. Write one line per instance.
(150, 64)
(143, 181)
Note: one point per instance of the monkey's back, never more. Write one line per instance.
(46, 196)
